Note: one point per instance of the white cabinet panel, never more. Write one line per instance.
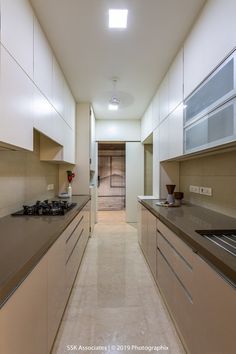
(69, 107)
(92, 141)
(16, 108)
(176, 132)
(58, 83)
(42, 62)
(134, 178)
(176, 82)
(155, 111)
(69, 145)
(17, 31)
(42, 114)
(163, 98)
(164, 140)
(202, 52)
(156, 163)
(146, 123)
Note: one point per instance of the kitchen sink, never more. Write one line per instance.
(225, 239)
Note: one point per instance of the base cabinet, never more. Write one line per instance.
(214, 311)
(30, 319)
(201, 302)
(23, 319)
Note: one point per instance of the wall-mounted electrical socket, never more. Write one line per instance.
(206, 191)
(50, 187)
(194, 189)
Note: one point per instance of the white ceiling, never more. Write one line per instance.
(90, 54)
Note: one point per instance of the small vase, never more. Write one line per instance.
(69, 190)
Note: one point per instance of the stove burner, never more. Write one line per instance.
(53, 208)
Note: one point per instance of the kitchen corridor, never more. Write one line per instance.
(115, 301)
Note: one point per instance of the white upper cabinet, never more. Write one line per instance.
(211, 39)
(17, 22)
(164, 98)
(16, 104)
(69, 145)
(92, 141)
(146, 123)
(58, 90)
(176, 132)
(69, 107)
(42, 114)
(164, 140)
(42, 62)
(155, 111)
(176, 82)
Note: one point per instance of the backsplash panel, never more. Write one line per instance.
(216, 171)
(24, 178)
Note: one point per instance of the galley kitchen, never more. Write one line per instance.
(117, 176)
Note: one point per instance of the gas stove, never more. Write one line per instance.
(45, 208)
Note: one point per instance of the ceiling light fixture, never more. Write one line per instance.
(114, 102)
(118, 18)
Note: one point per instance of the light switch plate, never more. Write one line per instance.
(206, 191)
(194, 189)
(50, 187)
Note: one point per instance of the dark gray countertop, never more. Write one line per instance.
(24, 241)
(186, 219)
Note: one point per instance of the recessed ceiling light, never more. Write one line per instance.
(118, 18)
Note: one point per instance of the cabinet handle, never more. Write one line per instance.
(74, 229)
(215, 269)
(74, 246)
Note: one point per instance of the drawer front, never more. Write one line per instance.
(181, 268)
(185, 251)
(75, 234)
(73, 262)
(178, 301)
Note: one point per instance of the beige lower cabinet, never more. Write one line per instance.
(23, 319)
(56, 287)
(214, 311)
(152, 242)
(201, 302)
(30, 319)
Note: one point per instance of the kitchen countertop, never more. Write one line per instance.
(24, 241)
(183, 221)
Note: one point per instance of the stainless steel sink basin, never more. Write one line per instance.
(225, 239)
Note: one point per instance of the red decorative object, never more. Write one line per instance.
(70, 176)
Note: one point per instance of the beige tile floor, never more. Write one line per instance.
(115, 300)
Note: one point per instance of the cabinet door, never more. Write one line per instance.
(144, 230)
(155, 111)
(92, 142)
(176, 142)
(58, 83)
(176, 82)
(69, 145)
(164, 140)
(17, 31)
(69, 107)
(214, 311)
(56, 288)
(164, 98)
(42, 114)
(16, 108)
(42, 62)
(152, 245)
(23, 319)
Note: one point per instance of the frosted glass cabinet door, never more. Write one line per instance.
(214, 91)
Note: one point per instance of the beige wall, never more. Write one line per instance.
(216, 171)
(24, 179)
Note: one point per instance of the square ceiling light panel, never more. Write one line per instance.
(118, 18)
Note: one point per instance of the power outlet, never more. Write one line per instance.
(50, 187)
(194, 189)
(206, 191)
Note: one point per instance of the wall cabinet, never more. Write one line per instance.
(216, 21)
(58, 88)
(23, 319)
(17, 23)
(164, 98)
(155, 111)
(175, 83)
(43, 58)
(164, 140)
(16, 108)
